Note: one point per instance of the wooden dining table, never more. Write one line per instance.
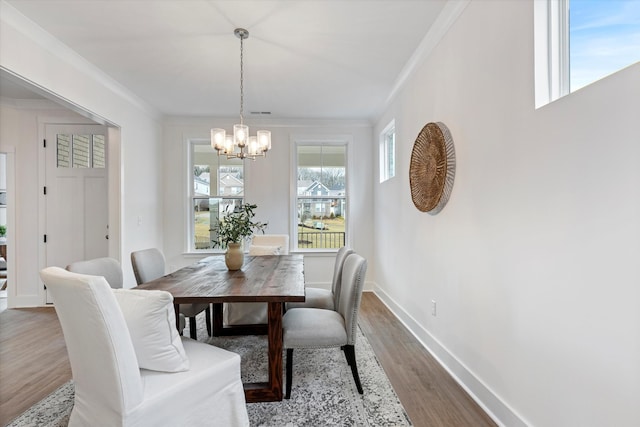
(270, 279)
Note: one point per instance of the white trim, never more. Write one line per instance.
(12, 276)
(447, 17)
(315, 139)
(383, 158)
(491, 403)
(33, 31)
(551, 50)
(188, 241)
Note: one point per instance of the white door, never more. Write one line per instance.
(76, 194)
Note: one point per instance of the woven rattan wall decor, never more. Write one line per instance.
(433, 168)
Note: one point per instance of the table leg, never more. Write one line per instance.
(275, 348)
(271, 391)
(216, 320)
(176, 307)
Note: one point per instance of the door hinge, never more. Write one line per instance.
(45, 238)
(45, 190)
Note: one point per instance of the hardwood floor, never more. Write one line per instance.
(428, 393)
(33, 359)
(33, 363)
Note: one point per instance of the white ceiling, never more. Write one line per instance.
(303, 59)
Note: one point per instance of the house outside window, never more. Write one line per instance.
(217, 185)
(321, 199)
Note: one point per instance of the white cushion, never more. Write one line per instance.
(151, 320)
(259, 250)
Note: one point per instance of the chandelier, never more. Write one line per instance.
(240, 145)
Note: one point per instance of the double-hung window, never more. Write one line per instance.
(321, 195)
(217, 184)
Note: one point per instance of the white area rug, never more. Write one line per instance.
(323, 393)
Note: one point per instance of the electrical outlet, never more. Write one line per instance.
(433, 308)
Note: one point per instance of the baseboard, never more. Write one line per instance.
(24, 301)
(498, 410)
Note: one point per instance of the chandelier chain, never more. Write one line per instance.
(241, 79)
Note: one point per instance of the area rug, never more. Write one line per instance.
(323, 392)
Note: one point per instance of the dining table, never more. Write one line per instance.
(274, 280)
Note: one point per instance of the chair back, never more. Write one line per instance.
(108, 268)
(103, 360)
(353, 272)
(274, 240)
(342, 255)
(148, 265)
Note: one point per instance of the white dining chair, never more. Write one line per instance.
(255, 313)
(148, 265)
(325, 298)
(313, 328)
(195, 383)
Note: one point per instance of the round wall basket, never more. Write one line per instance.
(433, 168)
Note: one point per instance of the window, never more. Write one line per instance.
(217, 184)
(321, 199)
(604, 38)
(580, 41)
(388, 152)
(80, 151)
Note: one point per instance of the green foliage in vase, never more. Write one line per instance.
(3, 230)
(237, 225)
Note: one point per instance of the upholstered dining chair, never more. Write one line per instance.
(148, 265)
(321, 328)
(325, 298)
(108, 268)
(255, 313)
(163, 379)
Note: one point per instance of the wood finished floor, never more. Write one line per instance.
(33, 363)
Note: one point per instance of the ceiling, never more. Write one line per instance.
(303, 59)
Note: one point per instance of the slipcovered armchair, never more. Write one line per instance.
(320, 328)
(120, 381)
(148, 265)
(255, 313)
(325, 298)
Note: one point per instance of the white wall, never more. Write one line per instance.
(268, 184)
(135, 174)
(19, 128)
(534, 261)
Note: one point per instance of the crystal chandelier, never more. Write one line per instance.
(247, 146)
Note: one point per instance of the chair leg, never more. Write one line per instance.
(289, 372)
(350, 354)
(192, 328)
(208, 316)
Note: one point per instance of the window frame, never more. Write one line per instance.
(318, 140)
(191, 198)
(387, 165)
(552, 50)
(551, 28)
